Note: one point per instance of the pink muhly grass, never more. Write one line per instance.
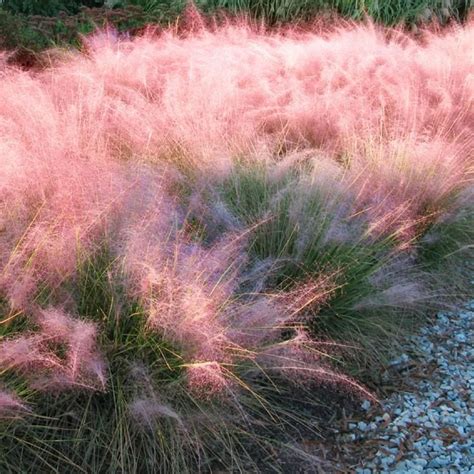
(36, 355)
(305, 362)
(83, 364)
(188, 292)
(399, 285)
(25, 353)
(403, 184)
(148, 98)
(311, 294)
(208, 379)
(10, 405)
(353, 78)
(184, 289)
(87, 145)
(55, 324)
(406, 294)
(146, 411)
(147, 406)
(58, 209)
(258, 322)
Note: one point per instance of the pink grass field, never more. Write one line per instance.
(123, 141)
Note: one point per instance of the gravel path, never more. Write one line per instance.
(429, 427)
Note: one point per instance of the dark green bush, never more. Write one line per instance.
(47, 7)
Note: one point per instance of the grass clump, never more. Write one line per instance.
(304, 227)
(159, 411)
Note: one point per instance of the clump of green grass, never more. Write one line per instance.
(450, 237)
(85, 430)
(306, 231)
(381, 292)
(446, 248)
(146, 419)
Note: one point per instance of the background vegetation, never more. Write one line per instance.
(34, 25)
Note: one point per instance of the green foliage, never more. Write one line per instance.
(291, 226)
(259, 200)
(47, 7)
(86, 431)
(446, 249)
(83, 431)
(32, 33)
(10, 27)
(389, 12)
(162, 8)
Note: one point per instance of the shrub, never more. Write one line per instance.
(47, 7)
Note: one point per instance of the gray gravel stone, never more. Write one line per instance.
(437, 420)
